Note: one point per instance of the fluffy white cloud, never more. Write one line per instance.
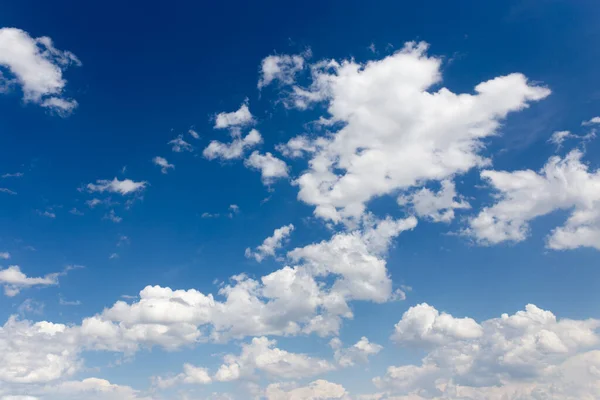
(281, 68)
(179, 145)
(271, 244)
(270, 167)
(317, 390)
(423, 324)
(238, 118)
(520, 356)
(124, 187)
(262, 355)
(437, 206)
(13, 280)
(37, 67)
(562, 184)
(297, 146)
(163, 164)
(89, 388)
(190, 375)
(396, 132)
(357, 353)
(234, 149)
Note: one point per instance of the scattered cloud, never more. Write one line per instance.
(235, 149)
(5, 255)
(179, 145)
(282, 68)
(13, 280)
(270, 167)
(15, 175)
(163, 164)
(7, 191)
(124, 187)
(436, 206)
(357, 353)
(562, 184)
(75, 211)
(194, 134)
(111, 216)
(38, 68)
(593, 121)
(239, 118)
(271, 244)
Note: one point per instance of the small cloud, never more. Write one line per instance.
(113, 217)
(194, 134)
(46, 213)
(75, 211)
(178, 145)
(113, 256)
(93, 202)
(123, 240)
(234, 209)
(163, 164)
(7, 191)
(209, 215)
(15, 175)
(64, 302)
(30, 306)
(593, 121)
(5, 255)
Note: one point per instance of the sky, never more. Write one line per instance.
(316, 200)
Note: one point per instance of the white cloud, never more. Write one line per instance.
(562, 184)
(13, 175)
(440, 206)
(14, 280)
(357, 353)
(38, 68)
(235, 149)
(93, 202)
(559, 137)
(270, 167)
(593, 121)
(75, 211)
(179, 145)
(317, 390)
(271, 244)
(241, 117)
(194, 134)
(190, 375)
(527, 355)
(423, 324)
(5, 255)
(163, 164)
(396, 132)
(262, 355)
(124, 187)
(297, 146)
(281, 68)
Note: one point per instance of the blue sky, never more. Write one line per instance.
(326, 200)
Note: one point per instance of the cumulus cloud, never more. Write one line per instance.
(317, 390)
(530, 354)
(190, 375)
(271, 244)
(270, 167)
(234, 149)
(163, 164)
(262, 355)
(436, 206)
(562, 184)
(282, 68)
(396, 132)
(357, 353)
(238, 118)
(38, 68)
(13, 280)
(299, 146)
(592, 121)
(124, 187)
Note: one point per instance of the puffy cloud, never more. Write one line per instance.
(38, 68)
(396, 132)
(235, 149)
(271, 244)
(241, 117)
(423, 324)
(190, 375)
(124, 187)
(529, 354)
(297, 146)
(262, 355)
(89, 388)
(36, 352)
(282, 68)
(562, 184)
(317, 390)
(14, 280)
(270, 167)
(440, 206)
(163, 164)
(357, 353)
(179, 145)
